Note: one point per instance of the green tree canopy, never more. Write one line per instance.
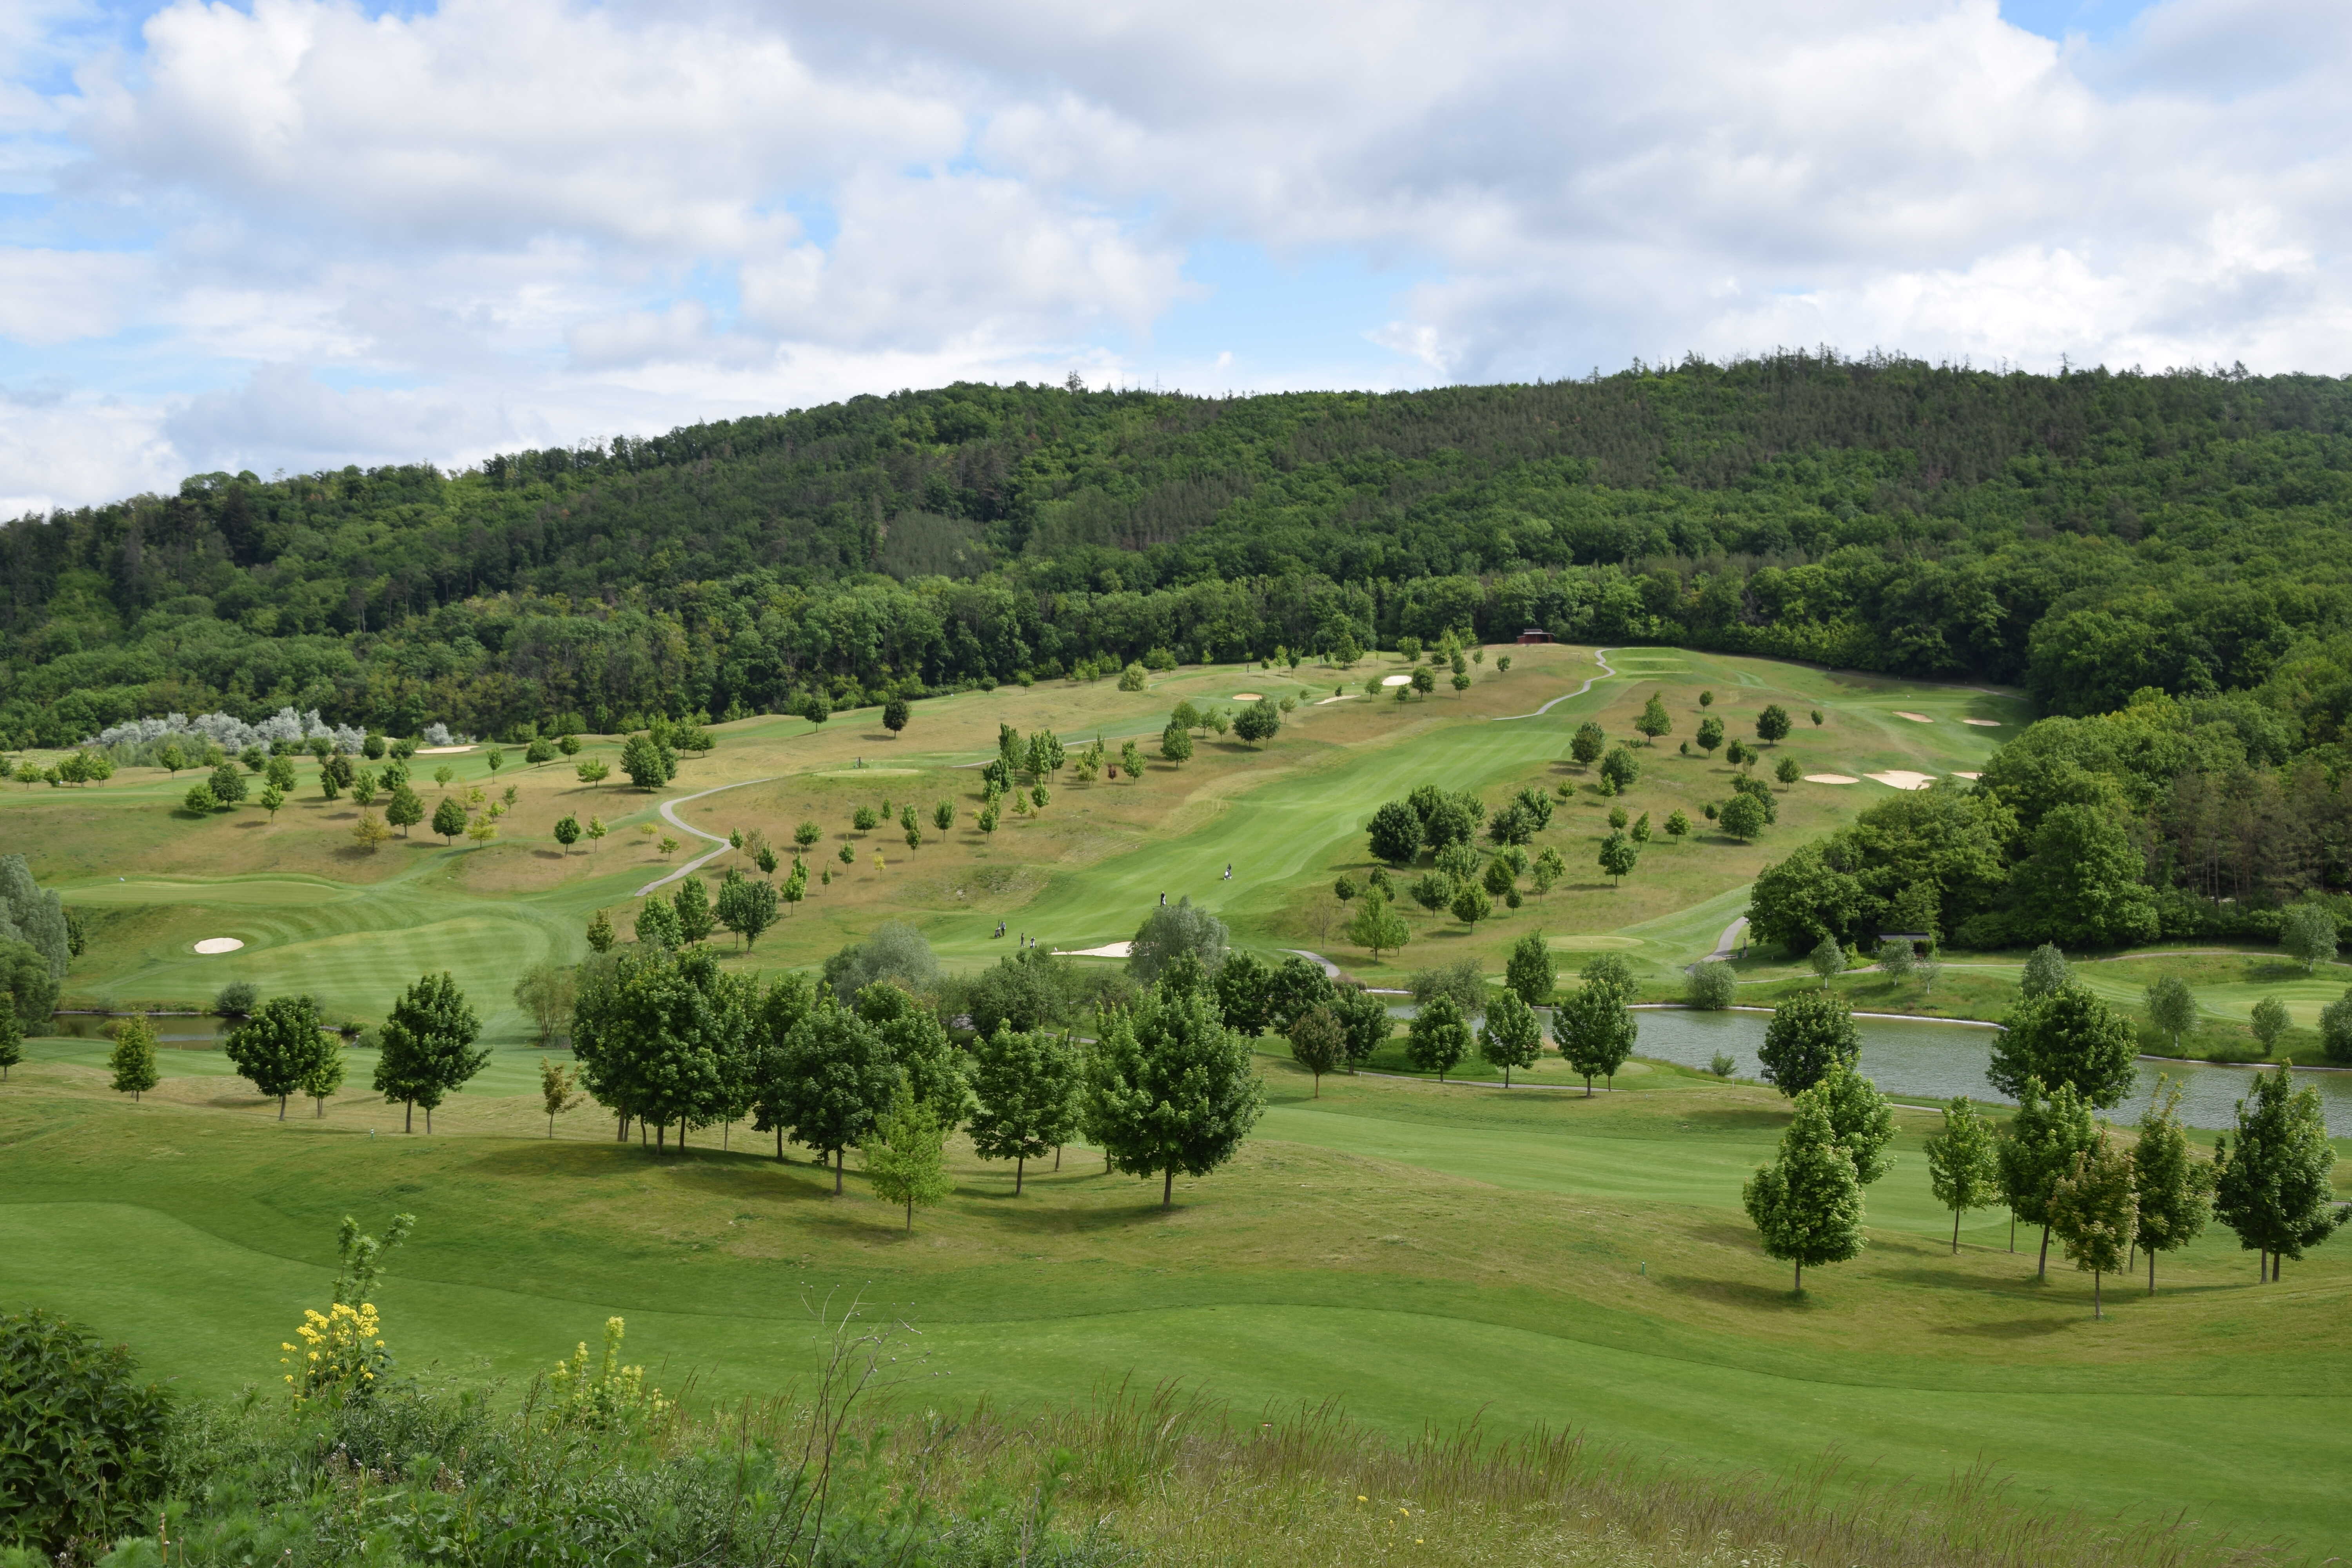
(1807, 1205)
(278, 1045)
(1963, 1163)
(426, 1048)
(1169, 1089)
(1808, 1033)
(2067, 1037)
(2272, 1174)
(1025, 1083)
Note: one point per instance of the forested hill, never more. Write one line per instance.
(2086, 534)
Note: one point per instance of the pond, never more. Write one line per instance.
(1940, 1060)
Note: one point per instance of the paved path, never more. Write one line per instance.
(669, 815)
(1724, 945)
(1600, 657)
(1331, 970)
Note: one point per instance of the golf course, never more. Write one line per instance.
(1427, 1254)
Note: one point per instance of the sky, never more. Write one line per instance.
(291, 235)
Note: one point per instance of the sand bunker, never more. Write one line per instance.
(1346, 697)
(1249, 696)
(1831, 778)
(1108, 950)
(219, 944)
(1904, 778)
(1983, 723)
(1915, 718)
(1396, 681)
(1970, 777)
(440, 751)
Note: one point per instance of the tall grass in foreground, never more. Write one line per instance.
(1175, 1481)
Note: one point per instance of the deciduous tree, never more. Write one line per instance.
(1511, 1035)
(426, 1048)
(278, 1045)
(1025, 1082)
(2272, 1179)
(1963, 1163)
(2174, 1191)
(1807, 1204)
(2065, 1036)
(1171, 1088)
(1319, 1043)
(2095, 1212)
(906, 1158)
(1438, 1037)
(2047, 1131)
(1808, 1033)
(132, 1057)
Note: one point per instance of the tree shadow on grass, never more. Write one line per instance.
(1735, 1119)
(1741, 1293)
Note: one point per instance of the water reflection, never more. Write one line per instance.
(1939, 1059)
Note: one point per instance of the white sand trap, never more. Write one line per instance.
(1249, 696)
(1983, 723)
(219, 944)
(1915, 718)
(1396, 681)
(1831, 778)
(441, 750)
(1108, 950)
(1904, 778)
(1970, 777)
(1348, 697)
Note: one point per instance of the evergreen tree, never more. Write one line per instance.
(1511, 1035)
(426, 1048)
(2065, 1036)
(278, 1047)
(1807, 1034)
(2093, 1210)
(2174, 1191)
(2272, 1179)
(1807, 1205)
(132, 1058)
(1026, 1085)
(1170, 1088)
(906, 1157)
(2049, 1130)
(1963, 1163)
(600, 934)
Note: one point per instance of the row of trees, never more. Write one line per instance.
(666, 1041)
(2064, 1057)
(425, 1050)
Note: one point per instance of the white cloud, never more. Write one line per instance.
(544, 220)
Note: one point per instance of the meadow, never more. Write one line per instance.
(1428, 1255)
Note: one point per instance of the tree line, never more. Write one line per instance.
(2084, 535)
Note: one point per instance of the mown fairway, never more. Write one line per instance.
(1424, 1254)
(318, 913)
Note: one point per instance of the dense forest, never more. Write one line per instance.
(2087, 535)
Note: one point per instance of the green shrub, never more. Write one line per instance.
(81, 1440)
